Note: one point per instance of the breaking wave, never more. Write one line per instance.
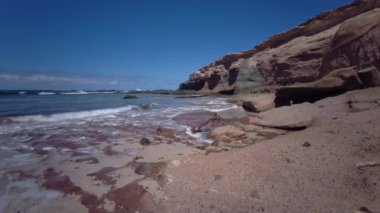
(72, 115)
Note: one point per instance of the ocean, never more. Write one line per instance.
(27, 116)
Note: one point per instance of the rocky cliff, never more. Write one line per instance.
(345, 37)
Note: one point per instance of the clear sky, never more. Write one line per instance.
(128, 44)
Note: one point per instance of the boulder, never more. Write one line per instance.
(130, 97)
(295, 117)
(227, 133)
(258, 103)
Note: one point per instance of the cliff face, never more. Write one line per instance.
(344, 37)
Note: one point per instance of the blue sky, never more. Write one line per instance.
(127, 44)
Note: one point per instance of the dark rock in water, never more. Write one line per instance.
(144, 141)
(130, 97)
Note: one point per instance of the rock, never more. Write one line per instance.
(334, 83)
(144, 141)
(169, 133)
(196, 119)
(344, 37)
(215, 143)
(306, 144)
(369, 76)
(227, 133)
(259, 103)
(255, 194)
(217, 177)
(130, 97)
(293, 117)
(235, 113)
(363, 209)
(355, 43)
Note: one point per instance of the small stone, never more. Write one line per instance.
(212, 207)
(364, 209)
(215, 143)
(255, 194)
(218, 177)
(144, 141)
(289, 161)
(306, 144)
(261, 209)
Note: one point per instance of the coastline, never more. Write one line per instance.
(248, 166)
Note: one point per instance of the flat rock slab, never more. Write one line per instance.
(227, 133)
(196, 119)
(293, 117)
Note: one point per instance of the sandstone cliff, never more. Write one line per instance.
(345, 37)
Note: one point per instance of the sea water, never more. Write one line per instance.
(31, 121)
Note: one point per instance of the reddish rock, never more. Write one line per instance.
(169, 133)
(61, 183)
(295, 117)
(196, 120)
(127, 198)
(105, 175)
(227, 133)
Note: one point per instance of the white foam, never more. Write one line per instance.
(79, 92)
(217, 101)
(223, 109)
(46, 93)
(72, 115)
(199, 136)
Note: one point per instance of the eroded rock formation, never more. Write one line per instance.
(344, 37)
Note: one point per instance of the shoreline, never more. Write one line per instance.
(248, 166)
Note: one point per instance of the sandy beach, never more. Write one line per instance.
(312, 170)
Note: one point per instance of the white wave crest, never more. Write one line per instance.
(79, 92)
(46, 93)
(72, 115)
